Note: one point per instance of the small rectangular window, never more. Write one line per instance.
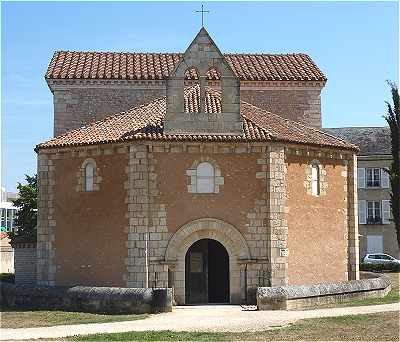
(9, 218)
(315, 186)
(374, 212)
(89, 177)
(373, 178)
(3, 219)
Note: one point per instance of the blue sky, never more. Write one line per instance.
(355, 44)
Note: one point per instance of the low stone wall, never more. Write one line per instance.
(297, 297)
(111, 300)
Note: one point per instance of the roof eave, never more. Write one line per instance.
(237, 139)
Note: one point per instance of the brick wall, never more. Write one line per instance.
(76, 107)
(302, 105)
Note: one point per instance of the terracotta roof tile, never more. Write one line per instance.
(157, 66)
(146, 123)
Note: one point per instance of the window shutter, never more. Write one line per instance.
(385, 180)
(362, 212)
(386, 209)
(361, 177)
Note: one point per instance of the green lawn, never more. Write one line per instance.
(17, 318)
(392, 297)
(374, 327)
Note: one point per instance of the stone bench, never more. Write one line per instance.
(111, 300)
(297, 297)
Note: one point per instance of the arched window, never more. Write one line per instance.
(89, 177)
(213, 75)
(205, 178)
(315, 180)
(193, 102)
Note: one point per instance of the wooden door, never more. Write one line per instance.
(196, 273)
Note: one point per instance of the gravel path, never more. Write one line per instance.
(194, 318)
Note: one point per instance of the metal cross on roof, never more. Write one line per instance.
(202, 15)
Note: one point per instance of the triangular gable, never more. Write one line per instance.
(202, 48)
(203, 55)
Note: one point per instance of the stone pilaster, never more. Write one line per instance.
(46, 222)
(147, 222)
(277, 228)
(138, 207)
(158, 230)
(352, 220)
(258, 270)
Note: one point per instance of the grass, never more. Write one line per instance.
(373, 327)
(392, 297)
(17, 318)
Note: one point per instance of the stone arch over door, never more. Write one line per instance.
(207, 228)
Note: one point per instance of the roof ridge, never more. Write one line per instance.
(133, 65)
(124, 52)
(181, 53)
(344, 127)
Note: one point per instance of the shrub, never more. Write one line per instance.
(7, 277)
(391, 267)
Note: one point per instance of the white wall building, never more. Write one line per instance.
(7, 215)
(377, 231)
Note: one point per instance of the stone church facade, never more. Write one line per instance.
(194, 184)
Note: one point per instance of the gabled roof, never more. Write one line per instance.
(146, 123)
(158, 66)
(370, 140)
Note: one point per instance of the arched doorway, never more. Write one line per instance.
(206, 273)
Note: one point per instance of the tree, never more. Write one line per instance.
(26, 215)
(393, 120)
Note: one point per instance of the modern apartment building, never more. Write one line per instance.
(7, 214)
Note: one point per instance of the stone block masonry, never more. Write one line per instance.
(199, 55)
(78, 106)
(149, 182)
(104, 300)
(147, 231)
(46, 220)
(25, 263)
(299, 297)
(301, 104)
(277, 225)
(352, 220)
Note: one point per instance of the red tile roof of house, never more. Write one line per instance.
(146, 123)
(157, 66)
